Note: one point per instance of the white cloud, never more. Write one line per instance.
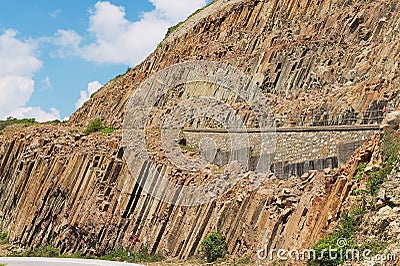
(55, 13)
(120, 41)
(85, 95)
(17, 57)
(46, 83)
(15, 91)
(68, 42)
(18, 65)
(176, 10)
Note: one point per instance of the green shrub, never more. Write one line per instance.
(56, 121)
(4, 124)
(172, 28)
(360, 171)
(4, 237)
(376, 178)
(214, 246)
(108, 130)
(95, 125)
(25, 121)
(375, 246)
(11, 121)
(347, 226)
(327, 243)
(357, 192)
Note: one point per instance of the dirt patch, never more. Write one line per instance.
(4, 250)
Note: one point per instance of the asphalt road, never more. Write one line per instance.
(60, 262)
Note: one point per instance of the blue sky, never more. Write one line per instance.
(54, 54)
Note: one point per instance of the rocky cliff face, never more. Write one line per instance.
(331, 61)
(75, 192)
(320, 62)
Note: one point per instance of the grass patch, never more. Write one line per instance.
(358, 192)
(47, 251)
(375, 245)
(345, 233)
(360, 170)
(173, 28)
(390, 151)
(116, 255)
(108, 130)
(4, 238)
(375, 180)
(44, 251)
(97, 125)
(116, 77)
(142, 256)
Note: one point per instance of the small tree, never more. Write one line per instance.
(214, 246)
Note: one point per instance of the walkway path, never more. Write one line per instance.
(60, 262)
(288, 129)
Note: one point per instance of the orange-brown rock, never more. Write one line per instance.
(320, 62)
(331, 61)
(79, 195)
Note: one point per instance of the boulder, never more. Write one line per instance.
(391, 121)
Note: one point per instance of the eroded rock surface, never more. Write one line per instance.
(319, 62)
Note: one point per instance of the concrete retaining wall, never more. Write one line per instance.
(298, 150)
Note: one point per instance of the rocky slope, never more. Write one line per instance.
(318, 61)
(75, 192)
(331, 60)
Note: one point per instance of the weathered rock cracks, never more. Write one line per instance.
(319, 62)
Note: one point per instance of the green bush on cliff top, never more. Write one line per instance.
(11, 121)
(173, 28)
